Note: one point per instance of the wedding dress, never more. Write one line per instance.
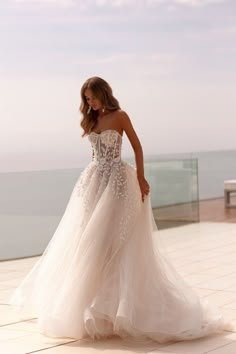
(101, 273)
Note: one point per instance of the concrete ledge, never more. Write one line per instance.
(229, 187)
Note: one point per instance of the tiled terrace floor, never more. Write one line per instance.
(204, 253)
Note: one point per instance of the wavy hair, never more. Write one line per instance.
(101, 90)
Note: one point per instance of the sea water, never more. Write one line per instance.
(32, 202)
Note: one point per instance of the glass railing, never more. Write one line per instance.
(31, 206)
(32, 203)
(174, 191)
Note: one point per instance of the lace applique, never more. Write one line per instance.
(131, 206)
(109, 138)
(106, 160)
(106, 146)
(107, 170)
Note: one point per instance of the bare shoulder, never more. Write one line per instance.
(123, 124)
(123, 118)
(127, 126)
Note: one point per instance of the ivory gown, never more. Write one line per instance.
(101, 273)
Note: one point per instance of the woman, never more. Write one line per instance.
(101, 274)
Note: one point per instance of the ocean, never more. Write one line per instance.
(32, 202)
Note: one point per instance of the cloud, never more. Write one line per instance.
(198, 2)
(122, 3)
(148, 3)
(65, 3)
(152, 65)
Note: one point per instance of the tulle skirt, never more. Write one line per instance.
(102, 274)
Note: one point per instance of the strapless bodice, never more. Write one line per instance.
(106, 146)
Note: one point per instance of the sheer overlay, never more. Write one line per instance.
(102, 274)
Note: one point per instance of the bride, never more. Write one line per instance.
(101, 274)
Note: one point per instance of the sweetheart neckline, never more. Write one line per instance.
(107, 130)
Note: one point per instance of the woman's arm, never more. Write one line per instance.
(138, 151)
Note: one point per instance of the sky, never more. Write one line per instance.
(171, 64)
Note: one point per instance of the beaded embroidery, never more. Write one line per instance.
(107, 170)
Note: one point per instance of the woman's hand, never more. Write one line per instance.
(144, 186)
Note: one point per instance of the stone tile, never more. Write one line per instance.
(220, 283)
(22, 265)
(160, 352)
(229, 313)
(232, 288)
(8, 315)
(228, 259)
(231, 305)
(100, 346)
(5, 295)
(9, 284)
(26, 326)
(221, 298)
(29, 343)
(210, 263)
(198, 268)
(225, 349)
(6, 334)
(6, 275)
(201, 345)
(198, 251)
(203, 292)
(234, 326)
(183, 262)
(221, 270)
(67, 349)
(195, 279)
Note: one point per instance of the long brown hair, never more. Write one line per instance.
(101, 90)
